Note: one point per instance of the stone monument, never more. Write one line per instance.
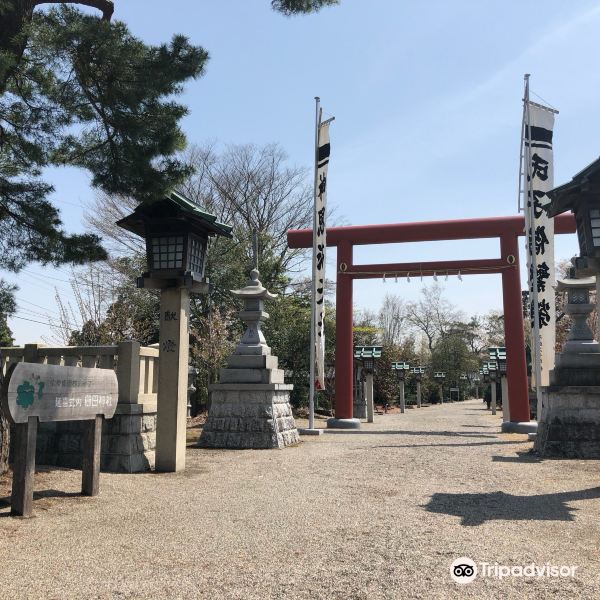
(250, 406)
(570, 422)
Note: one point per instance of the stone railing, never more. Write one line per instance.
(136, 366)
(129, 438)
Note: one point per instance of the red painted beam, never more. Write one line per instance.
(426, 231)
(452, 267)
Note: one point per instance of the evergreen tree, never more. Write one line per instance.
(296, 7)
(82, 91)
(7, 308)
(78, 90)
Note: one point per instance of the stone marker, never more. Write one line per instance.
(250, 406)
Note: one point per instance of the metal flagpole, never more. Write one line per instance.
(313, 312)
(531, 262)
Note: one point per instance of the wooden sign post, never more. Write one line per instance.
(51, 393)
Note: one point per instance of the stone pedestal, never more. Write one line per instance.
(402, 398)
(569, 426)
(128, 441)
(250, 405)
(505, 404)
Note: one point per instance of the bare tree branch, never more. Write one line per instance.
(107, 7)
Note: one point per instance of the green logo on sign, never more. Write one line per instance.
(25, 394)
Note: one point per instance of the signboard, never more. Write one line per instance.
(57, 393)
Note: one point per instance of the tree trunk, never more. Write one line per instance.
(18, 15)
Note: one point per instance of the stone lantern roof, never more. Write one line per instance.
(254, 289)
(173, 207)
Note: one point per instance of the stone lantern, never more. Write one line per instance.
(462, 379)
(498, 357)
(250, 405)
(492, 369)
(418, 373)
(176, 231)
(570, 421)
(401, 370)
(439, 376)
(363, 404)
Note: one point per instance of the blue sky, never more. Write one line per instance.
(427, 100)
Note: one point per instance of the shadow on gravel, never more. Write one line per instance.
(451, 445)
(522, 457)
(5, 502)
(470, 434)
(476, 509)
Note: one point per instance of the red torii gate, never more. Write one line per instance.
(507, 229)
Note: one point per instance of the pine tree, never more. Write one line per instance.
(80, 90)
(296, 7)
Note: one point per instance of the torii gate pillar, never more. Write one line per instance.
(343, 342)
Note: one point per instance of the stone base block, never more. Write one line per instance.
(343, 423)
(359, 409)
(570, 425)
(519, 426)
(307, 431)
(249, 416)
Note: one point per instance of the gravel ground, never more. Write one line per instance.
(380, 513)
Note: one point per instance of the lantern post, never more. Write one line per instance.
(401, 370)
(439, 376)
(368, 355)
(418, 374)
(176, 231)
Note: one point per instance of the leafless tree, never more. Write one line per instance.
(253, 188)
(393, 320)
(433, 315)
(95, 290)
(248, 186)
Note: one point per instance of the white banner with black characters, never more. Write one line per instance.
(540, 231)
(320, 244)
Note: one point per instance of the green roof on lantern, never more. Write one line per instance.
(367, 351)
(173, 206)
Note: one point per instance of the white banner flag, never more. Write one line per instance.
(540, 233)
(319, 247)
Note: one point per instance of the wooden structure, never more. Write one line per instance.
(53, 393)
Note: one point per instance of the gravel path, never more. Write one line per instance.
(379, 513)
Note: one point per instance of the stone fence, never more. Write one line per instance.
(129, 438)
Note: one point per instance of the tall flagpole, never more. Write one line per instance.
(313, 312)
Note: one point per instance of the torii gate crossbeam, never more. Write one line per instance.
(506, 229)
